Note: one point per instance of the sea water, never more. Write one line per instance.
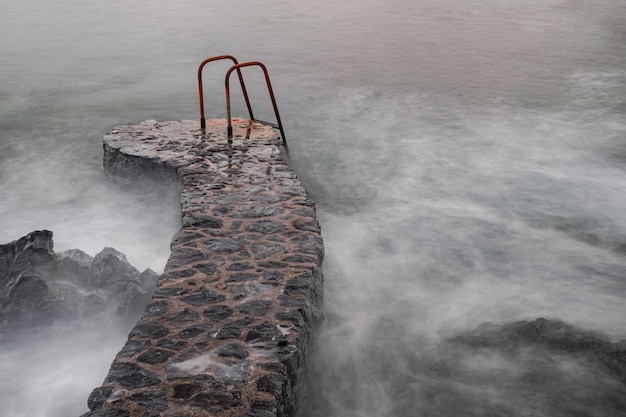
(467, 158)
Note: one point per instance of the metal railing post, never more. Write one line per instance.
(277, 125)
(201, 92)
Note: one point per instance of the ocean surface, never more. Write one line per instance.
(468, 158)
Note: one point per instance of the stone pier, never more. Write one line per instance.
(227, 330)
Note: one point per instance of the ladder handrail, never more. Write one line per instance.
(200, 87)
(238, 67)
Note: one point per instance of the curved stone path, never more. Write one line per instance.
(227, 331)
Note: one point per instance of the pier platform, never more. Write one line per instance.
(228, 329)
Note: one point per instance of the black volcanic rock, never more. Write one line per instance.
(553, 335)
(33, 251)
(37, 285)
(23, 291)
(76, 266)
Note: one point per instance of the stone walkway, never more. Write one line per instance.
(228, 328)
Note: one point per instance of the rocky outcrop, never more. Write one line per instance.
(38, 286)
(553, 335)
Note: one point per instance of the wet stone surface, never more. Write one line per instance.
(228, 327)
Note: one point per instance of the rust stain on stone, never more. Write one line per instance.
(227, 331)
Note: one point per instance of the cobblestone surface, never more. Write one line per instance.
(227, 331)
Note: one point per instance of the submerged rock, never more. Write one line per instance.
(38, 286)
(552, 335)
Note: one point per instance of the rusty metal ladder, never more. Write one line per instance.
(237, 67)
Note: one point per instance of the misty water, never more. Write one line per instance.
(468, 159)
